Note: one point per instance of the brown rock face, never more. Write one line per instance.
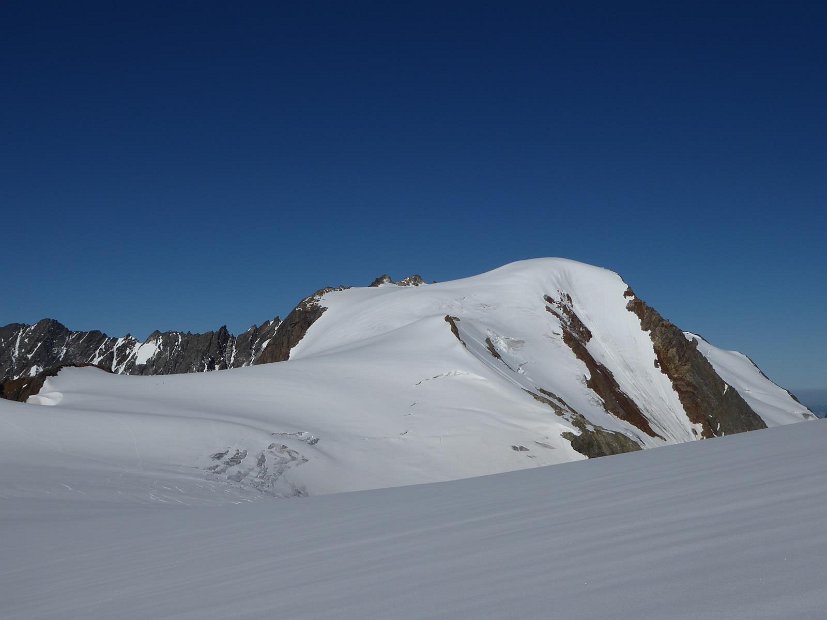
(601, 380)
(20, 389)
(452, 321)
(704, 395)
(294, 327)
(596, 441)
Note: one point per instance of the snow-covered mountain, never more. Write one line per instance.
(538, 362)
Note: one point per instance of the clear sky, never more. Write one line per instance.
(182, 167)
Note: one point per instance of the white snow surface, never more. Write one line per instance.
(379, 393)
(145, 352)
(729, 528)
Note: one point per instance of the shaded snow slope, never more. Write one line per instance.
(729, 528)
(391, 386)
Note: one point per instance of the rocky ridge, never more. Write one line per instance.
(30, 353)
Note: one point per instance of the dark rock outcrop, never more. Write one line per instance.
(705, 397)
(595, 441)
(20, 389)
(383, 279)
(414, 280)
(250, 344)
(592, 441)
(294, 327)
(452, 321)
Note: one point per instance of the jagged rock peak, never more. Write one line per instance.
(383, 279)
(413, 280)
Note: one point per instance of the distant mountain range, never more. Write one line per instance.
(29, 353)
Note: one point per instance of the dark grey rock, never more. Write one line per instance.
(414, 280)
(593, 441)
(27, 350)
(31, 353)
(383, 279)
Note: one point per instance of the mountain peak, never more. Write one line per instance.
(412, 280)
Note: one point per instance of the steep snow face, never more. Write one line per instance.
(390, 386)
(773, 403)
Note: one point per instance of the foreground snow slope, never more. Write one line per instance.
(727, 528)
(391, 386)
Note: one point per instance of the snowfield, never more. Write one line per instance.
(725, 528)
(156, 496)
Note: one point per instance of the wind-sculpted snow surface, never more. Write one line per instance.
(729, 528)
(536, 363)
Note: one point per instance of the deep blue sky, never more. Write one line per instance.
(181, 167)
